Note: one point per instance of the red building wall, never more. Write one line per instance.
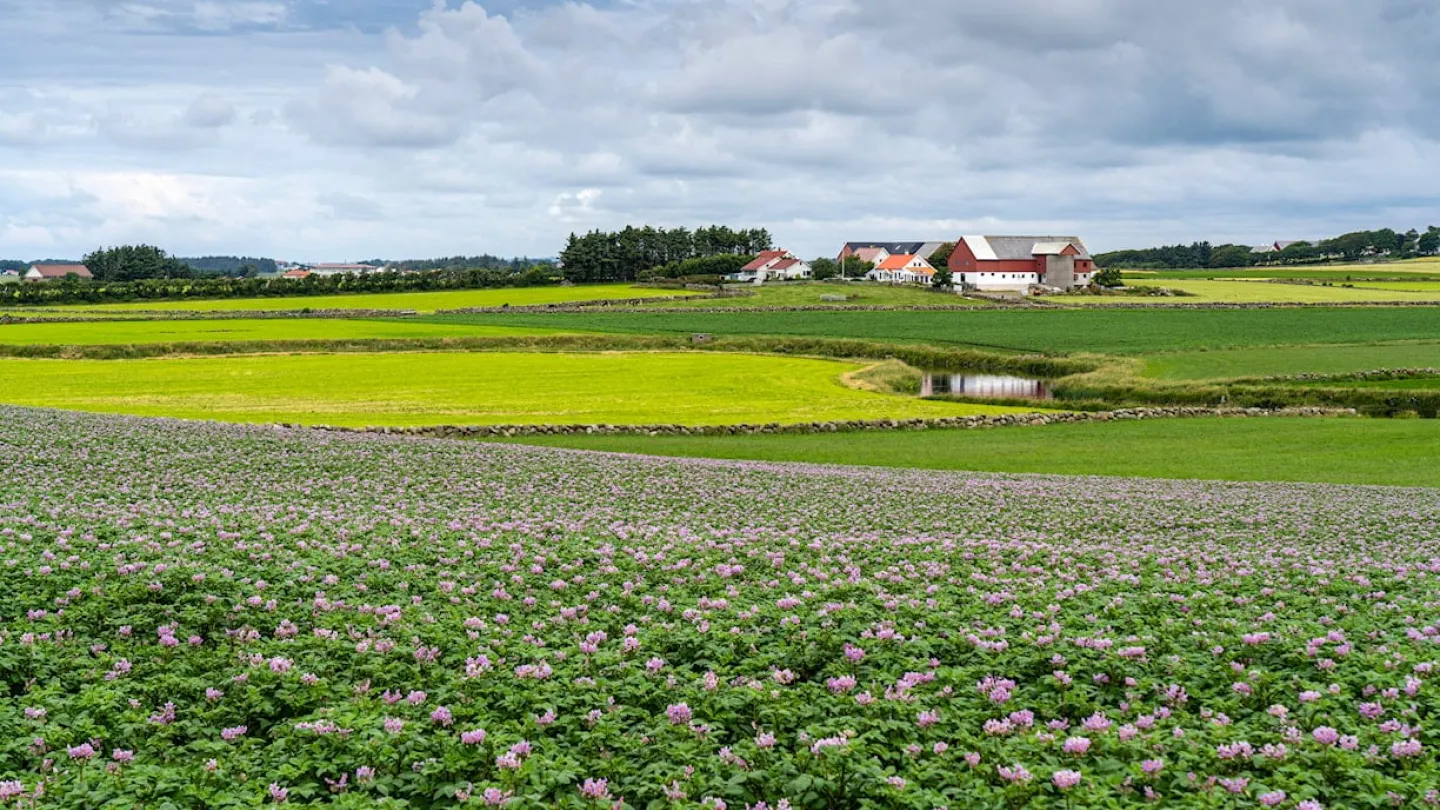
(962, 260)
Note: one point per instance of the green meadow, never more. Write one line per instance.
(1291, 360)
(1397, 452)
(466, 389)
(1107, 331)
(115, 333)
(813, 294)
(1265, 292)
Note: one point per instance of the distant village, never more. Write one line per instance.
(985, 263)
(54, 271)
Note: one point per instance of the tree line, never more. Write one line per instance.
(73, 290)
(1346, 247)
(623, 255)
(137, 262)
(484, 261)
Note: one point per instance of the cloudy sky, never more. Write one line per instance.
(350, 129)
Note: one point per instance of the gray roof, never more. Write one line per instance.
(1009, 248)
(893, 248)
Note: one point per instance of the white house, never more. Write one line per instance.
(324, 269)
(902, 269)
(52, 272)
(774, 265)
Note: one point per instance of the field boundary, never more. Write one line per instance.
(1037, 419)
(827, 348)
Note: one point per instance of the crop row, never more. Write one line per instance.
(199, 615)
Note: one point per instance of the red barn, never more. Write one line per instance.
(1020, 262)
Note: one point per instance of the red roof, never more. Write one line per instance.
(784, 264)
(763, 259)
(63, 270)
(897, 262)
(297, 274)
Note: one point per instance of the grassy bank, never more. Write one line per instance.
(1350, 451)
(465, 389)
(1070, 330)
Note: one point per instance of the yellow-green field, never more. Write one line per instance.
(1404, 286)
(418, 301)
(120, 333)
(469, 389)
(1259, 292)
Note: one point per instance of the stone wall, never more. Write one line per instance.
(945, 423)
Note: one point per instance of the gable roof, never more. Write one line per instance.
(871, 254)
(61, 270)
(1019, 248)
(898, 261)
(910, 248)
(765, 257)
(1052, 248)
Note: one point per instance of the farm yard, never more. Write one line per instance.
(269, 615)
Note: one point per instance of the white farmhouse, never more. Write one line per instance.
(774, 265)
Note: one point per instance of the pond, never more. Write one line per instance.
(991, 386)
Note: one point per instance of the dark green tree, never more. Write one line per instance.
(1230, 256)
(825, 268)
(135, 262)
(941, 257)
(942, 278)
(1108, 277)
(1429, 242)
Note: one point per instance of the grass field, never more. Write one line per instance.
(1410, 384)
(1290, 360)
(1429, 266)
(1353, 451)
(1071, 330)
(93, 333)
(810, 294)
(1419, 286)
(1261, 292)
(457, 388)
(418, 301)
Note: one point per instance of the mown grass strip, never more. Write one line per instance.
(1341, 451)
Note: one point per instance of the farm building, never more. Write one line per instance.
(868, 251)
(51, 272)
(341, 269)
(1017, 263)
(774, 265)
(902, 268)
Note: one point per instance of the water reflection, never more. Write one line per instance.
(983, 385)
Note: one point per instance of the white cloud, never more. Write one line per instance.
(254, 127)
(575, 206)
